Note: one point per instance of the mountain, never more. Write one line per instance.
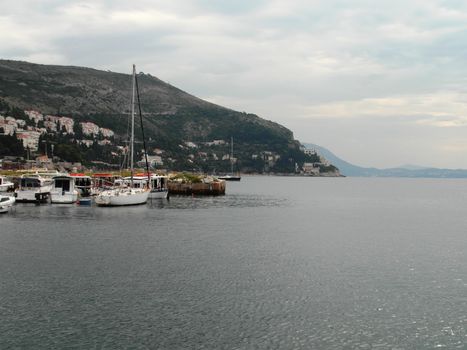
(172, 117)
(408, 170)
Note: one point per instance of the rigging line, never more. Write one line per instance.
(142, 131)
(126, 159)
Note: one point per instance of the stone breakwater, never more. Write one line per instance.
(214, 188)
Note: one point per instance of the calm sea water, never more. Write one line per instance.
(277, 263)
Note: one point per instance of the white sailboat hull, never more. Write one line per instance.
(121, 197)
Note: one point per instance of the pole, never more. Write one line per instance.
(142, 131)
(231, 155)
(132, 141)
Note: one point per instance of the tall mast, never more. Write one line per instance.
(231, 155)
(132, 139)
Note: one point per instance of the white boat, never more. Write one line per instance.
(33, 188)
(63, 190)
(231, 176)
(5, 185)
(136, 181)
(83, 184)
(159, 186)
(126, 195)
(6, 203)
(102, 182)
(122, 196)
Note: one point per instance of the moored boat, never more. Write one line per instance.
(83, 184)
(159, 186)
(33, 188)
(6, 203)
(231, 176)
(103, 181)
(5, 185)
(63, 190)
(122, 196)
(126, 195)
(85, 201)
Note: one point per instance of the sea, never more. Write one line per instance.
(276, 263)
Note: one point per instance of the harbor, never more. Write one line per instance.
(43, 186)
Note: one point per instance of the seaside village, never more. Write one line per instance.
(45, 178)
(30, 134)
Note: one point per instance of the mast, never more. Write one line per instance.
(142, 131)
(231, 155)
(132, 139)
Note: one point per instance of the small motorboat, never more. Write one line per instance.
(230, 177)
(6, 203)
(85, 201)
(63, 190)
(5, 185)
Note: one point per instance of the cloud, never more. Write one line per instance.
(293, 62)
(440, 108)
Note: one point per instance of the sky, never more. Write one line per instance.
(379, 83)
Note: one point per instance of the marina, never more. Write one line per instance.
(105, 189)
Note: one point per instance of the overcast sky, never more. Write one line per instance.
(380, 83)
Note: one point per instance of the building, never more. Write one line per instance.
(29, 138)
(34, 115)
(106, 132)
(89, 129)
(153, 161)
(67, 124)
(104, 142)
(310, 152)
(87, 143)
(311, 168)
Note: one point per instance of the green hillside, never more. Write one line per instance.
(171, 116)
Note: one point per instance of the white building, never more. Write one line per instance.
(104, 142)
(106, 132)
(34, 115)
(50, 125)
(89, 128)
(310, 168)
(87, 143)
(67, 123)
(152, 160)
(30, 139)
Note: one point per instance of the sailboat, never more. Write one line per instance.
(126, 195)
(231, 176)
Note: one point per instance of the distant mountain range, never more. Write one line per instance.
(408, 170)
